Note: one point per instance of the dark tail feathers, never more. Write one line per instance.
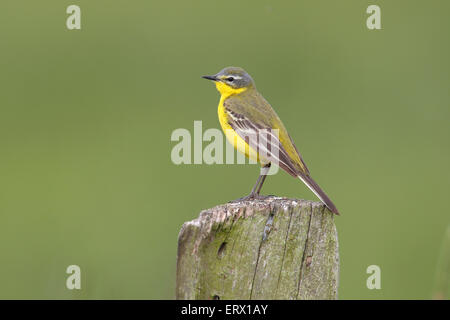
(318, 192)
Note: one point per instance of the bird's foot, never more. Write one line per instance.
(252, 197)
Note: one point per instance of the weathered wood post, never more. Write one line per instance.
(265, 249)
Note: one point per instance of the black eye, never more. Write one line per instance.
(230, 79)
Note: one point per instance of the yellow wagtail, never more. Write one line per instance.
(243, 114)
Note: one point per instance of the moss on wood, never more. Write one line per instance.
(272, 249)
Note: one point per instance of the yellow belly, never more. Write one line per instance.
(236, 141)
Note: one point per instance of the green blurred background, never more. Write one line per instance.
(86, 118)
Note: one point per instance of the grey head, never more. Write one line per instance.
(234, 77)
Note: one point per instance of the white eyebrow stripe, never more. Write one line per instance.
(235, 77)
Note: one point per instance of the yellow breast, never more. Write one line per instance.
(236, 141)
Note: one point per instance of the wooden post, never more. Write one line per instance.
(266, 249)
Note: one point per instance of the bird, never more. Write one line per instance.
(243, 115)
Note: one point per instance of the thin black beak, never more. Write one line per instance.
(213, 78)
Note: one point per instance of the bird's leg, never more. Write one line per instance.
(262, 182)
(254, 194)
(264, 176)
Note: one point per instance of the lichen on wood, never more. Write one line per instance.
(276, 248)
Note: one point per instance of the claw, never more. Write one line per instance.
(252, 196)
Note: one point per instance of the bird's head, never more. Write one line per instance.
(232, 80)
